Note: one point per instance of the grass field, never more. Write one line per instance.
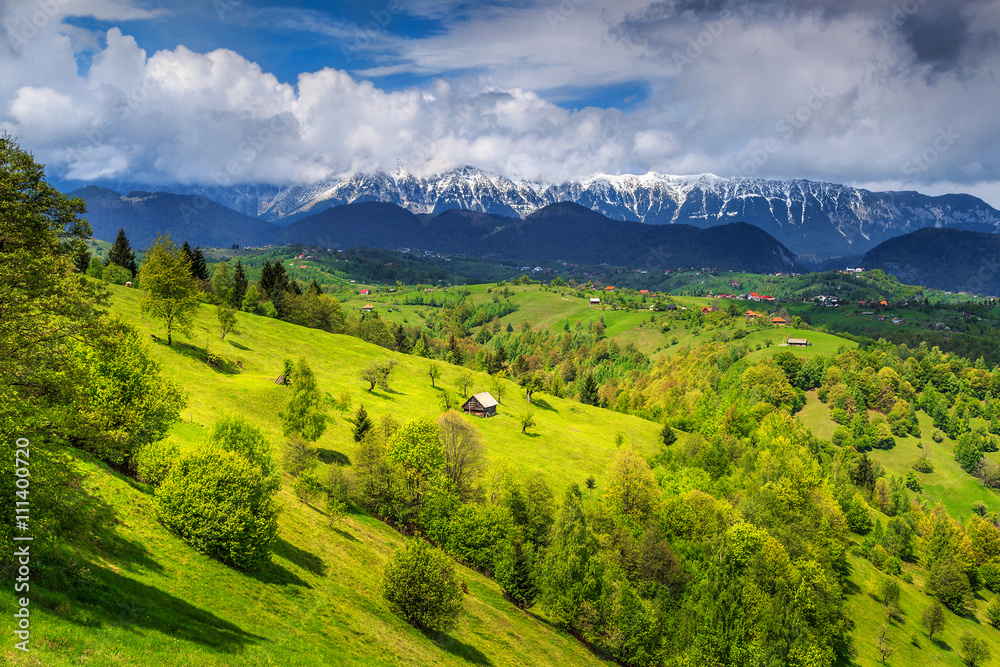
(318, 603)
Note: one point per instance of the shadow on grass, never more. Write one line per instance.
(197, 353)
(301, 557)
(332, 456)
(124, 602)
(533, 435)
(541, 404)
(343, 533)
(276, 574)
(457, 648)
(942, 644)
(238, 346)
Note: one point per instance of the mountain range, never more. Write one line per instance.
(814, 220)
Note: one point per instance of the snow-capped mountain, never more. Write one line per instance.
(812, 219)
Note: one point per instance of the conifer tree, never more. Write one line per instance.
(588, 393)
(266, 282)
(239, 286)
(362, 423)
(199, 266)
(189, 254)
(515, 571)
(121, 253)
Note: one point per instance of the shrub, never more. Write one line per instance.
(222, 505)
(950, 585)
(937, 436)
(234, 434)
(153, 462)
(993, 612)
(923, 465)
(989, 574)
(912, 483)
(116, 275)
(420, 585)
(979, 507)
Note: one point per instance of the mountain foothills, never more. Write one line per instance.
(948, 259)
(815, 220)
(146, 215)
(565, 231)
(225, 466)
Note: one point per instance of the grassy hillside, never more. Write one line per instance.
(144, 597)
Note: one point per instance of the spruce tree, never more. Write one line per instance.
(239, 286)
(516, 569)
(121, 253)
(362, 423)
(668, 435)
(189, 255)
(266, 282)
(199, 266)
(588, 393)
(314, 288)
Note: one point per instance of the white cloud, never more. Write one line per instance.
(806, 92)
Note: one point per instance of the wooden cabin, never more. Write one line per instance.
(799, 342)
(482, 404)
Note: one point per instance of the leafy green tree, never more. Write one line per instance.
(221, 505)
(121, 253)
(128, 402)
(417, 447)
(993, 612)
(239, 287)
(377, 373)
(45, 308)
(227, 320)
(526, 420)
(571, 573)
(420, 585)
(168, 290)
(96, 268)
(115, 275)
(250, 300)
(975, 651)
(434, 373)
(236, 434)
(362, 424)
(631, 489)
(304, 414)
(464, 456)
(222, 283)
(949, 584)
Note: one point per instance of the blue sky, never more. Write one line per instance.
(244, 91)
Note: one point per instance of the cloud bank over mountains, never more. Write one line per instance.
(875, 94)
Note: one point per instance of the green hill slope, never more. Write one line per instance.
(141, 596)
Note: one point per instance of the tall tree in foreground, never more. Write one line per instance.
(168, 289)
(121, 254)
(420, 585)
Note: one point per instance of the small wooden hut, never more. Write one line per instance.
(482, 404)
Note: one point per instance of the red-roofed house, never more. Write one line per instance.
(365, 292)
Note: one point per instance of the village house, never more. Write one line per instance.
(780, 321)
(367, 308)
(482, 405)
(799, 342)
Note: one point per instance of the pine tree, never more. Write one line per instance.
(281, 283)
(588, 393)
(189, 255)
(121, 253)
(314, 288)
(572, 573)
(515, 571)
(266, 282)
(668, 436)
(362, 423)
(239, 286)
(199, 266)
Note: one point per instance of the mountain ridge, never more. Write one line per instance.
(813, 219)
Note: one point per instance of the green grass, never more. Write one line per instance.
(823, 344)
(906, 635)
(318, 603)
